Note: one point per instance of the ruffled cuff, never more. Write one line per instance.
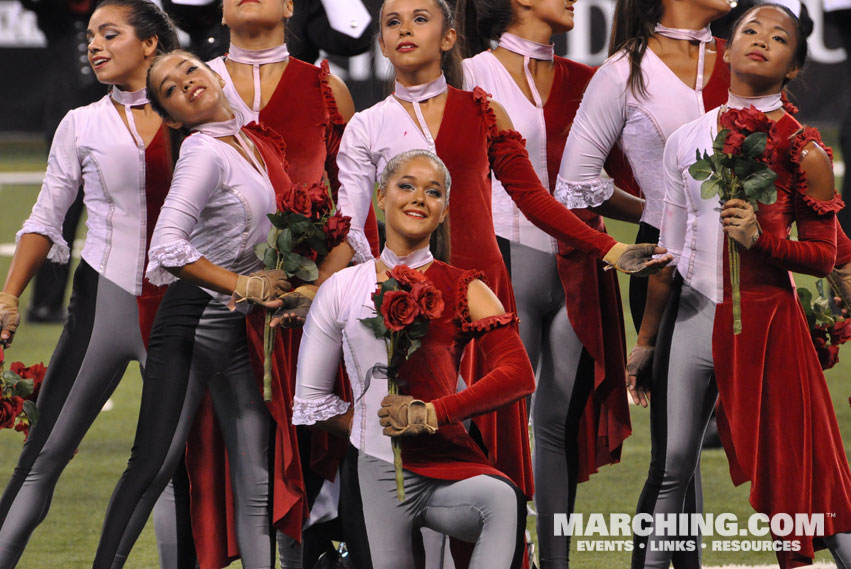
(309, 412)
(59, 250)
(328, 94)
(358, 241)
(580, 195)
(177, 254)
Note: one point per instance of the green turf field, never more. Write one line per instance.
(68, 536)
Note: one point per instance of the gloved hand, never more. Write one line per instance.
(636, 259)
(294, 309)
(840, 281)
(403, 416)
(262, 286)
(639, 366)
(9, 317)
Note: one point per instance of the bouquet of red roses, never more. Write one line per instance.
(738, 169)
(19, 387)
(404, 305)
(827, 330)
(304, 229)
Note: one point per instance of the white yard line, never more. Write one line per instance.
(813, 566)
(8, 249)
(21, 178)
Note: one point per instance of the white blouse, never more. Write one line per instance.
(691, 226)
(334, 321)
(485, 70)
(93, 147)
(611, 113)
(370, 140)
(216, 208)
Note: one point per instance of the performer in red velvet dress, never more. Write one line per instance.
(309, 108)
(571, 320)
(774, 410)
(450, 485)
(473, 136)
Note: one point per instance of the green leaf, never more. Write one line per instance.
(413, 347)
(376, 325)
(260, 250)
(759, 186)
(308, 272)
(390, 284)
(806, 298)
(720, 139)
(278, 220)
(32, 412)
(272, 237)
(24, 388)
(710, 188)
(270, 258)
(292, 263)
(418, 328)
(700, 170)
(285, 240)
(754, 144)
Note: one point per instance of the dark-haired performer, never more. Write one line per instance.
(774, 410)
(119, 151)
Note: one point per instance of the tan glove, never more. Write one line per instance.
(262, 286)
(840, 281)
(9, 317)
(634, 259)
(403, 416)
(294, 310)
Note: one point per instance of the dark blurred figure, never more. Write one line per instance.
(349, 31)
(72, 84)
(837, 14)
(721, 27)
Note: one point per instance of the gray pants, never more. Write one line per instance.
(196, 344)
(683, 396)
(484, 510)
(100, 338)
(563, 387)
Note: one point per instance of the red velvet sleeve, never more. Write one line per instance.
(815, 251)
(510, 163)
(510, 378)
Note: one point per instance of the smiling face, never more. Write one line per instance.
(189, 91)
(115, 52)
(237, 14)
(414, 202)
(414, 34)
(762, 51)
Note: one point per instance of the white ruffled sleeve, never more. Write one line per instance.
(197, 176)
(319, 358)
(357, 181)
(595, 131)
(675, 211)
(58, 191)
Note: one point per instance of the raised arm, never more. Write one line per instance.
(40, 237)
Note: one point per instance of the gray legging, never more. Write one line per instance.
(100, 338)
(683, 396)
(484, 510)
(196, 343)
(563, 387)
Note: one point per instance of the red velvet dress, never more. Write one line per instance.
(471, 146)
(158, 170)
(774, 411)
(303, 111)
(431, 374)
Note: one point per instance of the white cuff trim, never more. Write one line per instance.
(358, 241)
(59, 251)
(578, 195)
(311, 411)
(177, 254)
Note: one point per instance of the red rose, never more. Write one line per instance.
(429, 299)
(35, 372)
(336, 229)
(399, 309)
(320, 200)
(728, 119)
(297, 201)
(840, 332)
(405, 275)
(9, 410)
(733, 144)
(753, 120)
(828, 356)
(23, 427)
